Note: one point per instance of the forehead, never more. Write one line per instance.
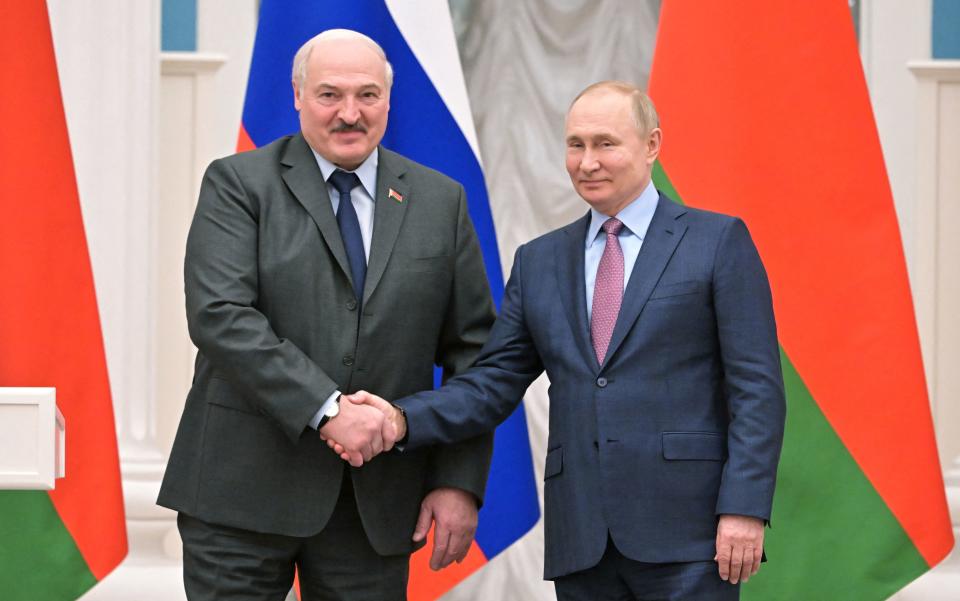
(335, 60)
(600, 111)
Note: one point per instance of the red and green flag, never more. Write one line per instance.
(766, 116)
(53, 545)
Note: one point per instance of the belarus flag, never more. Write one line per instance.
(766, 115)
(428, 89)
(53, 545)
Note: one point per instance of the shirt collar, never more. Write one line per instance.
(367, 171)
(636, 216)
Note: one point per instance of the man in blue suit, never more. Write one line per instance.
(654, 323)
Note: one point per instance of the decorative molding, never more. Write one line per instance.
(939, 70)
(190, 63)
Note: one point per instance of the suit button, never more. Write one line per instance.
(351, 305)
(602, 382)
(348, 359)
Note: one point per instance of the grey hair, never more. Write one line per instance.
(644, 113)
(303, 54)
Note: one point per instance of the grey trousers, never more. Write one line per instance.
(221, 563)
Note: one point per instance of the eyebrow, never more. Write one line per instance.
(593, 136)
(366, 86)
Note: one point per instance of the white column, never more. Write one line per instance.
(936, 286)
(186, 103)
(140, 144)
(107, 56)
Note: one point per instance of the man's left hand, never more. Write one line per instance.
(455, 513)
(739, 547)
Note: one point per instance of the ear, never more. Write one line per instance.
(297, 103)
(654, 140)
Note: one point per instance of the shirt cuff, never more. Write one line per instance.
(315, 422)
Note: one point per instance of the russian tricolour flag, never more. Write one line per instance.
(430, 122)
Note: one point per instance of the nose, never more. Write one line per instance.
(349, 111)
(589, 163)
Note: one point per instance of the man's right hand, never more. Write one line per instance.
(394, 425)
(358, 429)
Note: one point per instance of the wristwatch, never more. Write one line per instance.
(332, 411)
(406, 426)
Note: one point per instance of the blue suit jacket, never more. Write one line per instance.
(682, 422)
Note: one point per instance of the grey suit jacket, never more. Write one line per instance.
(682, 422)
(270, 306)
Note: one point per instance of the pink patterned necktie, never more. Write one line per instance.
(608, 291)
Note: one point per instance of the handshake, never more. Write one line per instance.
(366, 426)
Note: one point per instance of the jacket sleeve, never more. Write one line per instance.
(478, 400)
(752, 375)
(221, 285)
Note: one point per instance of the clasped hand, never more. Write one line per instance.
(366, 426)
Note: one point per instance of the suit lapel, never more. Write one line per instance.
(570, 279)
(305, 181)
(663, 236)
(387, 217)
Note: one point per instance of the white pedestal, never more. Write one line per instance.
(31, 439)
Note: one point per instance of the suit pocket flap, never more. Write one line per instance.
(678, 289)
(702, 446)
(221, 392)
(554, 463)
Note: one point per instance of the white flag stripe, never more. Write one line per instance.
(428, 30)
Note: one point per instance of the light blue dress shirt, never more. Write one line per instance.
(636, 218)
(362, 197)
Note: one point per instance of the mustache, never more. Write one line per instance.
(348, 127)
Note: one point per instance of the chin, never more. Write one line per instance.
(594, 200)
(350, 158)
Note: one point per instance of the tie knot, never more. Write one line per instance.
(612, 226)
(343, 181)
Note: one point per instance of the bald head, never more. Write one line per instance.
(644, 113)
(333, 36)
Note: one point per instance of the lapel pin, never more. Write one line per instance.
(395, 195)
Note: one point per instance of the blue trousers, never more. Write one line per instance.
(617, 578)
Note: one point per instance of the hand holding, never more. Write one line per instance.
(358, 430)
(394, 425)
(455, 514)
(739, 547)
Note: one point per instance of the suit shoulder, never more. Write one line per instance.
(417, 172)
(712, 220)
(548, 242)
(250, 166)
(268, 155)
(692, 212)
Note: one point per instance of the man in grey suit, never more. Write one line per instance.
(655, 324)
(317, 265)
